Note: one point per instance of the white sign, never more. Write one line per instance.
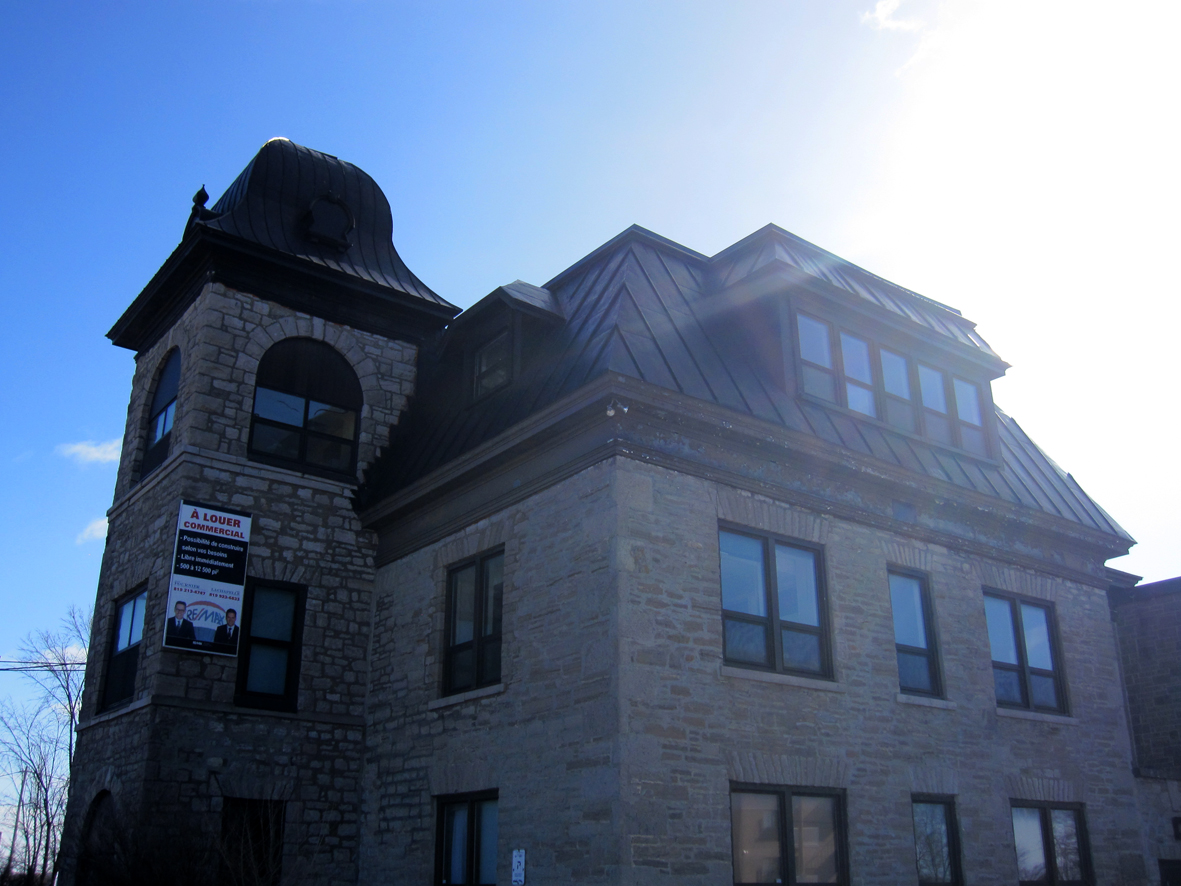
(208, 575)
(518, 867)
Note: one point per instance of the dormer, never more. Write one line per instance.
(861, 347)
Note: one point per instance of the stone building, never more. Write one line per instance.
(678, 569)
(1147, 622)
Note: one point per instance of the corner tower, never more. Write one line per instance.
(275, 348)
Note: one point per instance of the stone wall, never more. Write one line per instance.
(181, 741)
(619, 730)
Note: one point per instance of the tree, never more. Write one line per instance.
(37, 746)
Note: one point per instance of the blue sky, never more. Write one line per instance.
(1015, 160)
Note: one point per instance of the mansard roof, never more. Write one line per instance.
(304, 228)
(644, 307)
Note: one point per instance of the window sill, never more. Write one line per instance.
(782, 679)
(460, 697)
(925, 702)
(1037, 716)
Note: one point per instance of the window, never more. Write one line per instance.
(1024, 653)
(129, 633)
(269, 652)
(307, 405)
(936, 840)
(466, 843)
(251, 846)
(1051, 844)
(773, 605)
(787, 835)
(879, 383)
(493, 365)
(160, 415)
(474, 600)
(913, 637)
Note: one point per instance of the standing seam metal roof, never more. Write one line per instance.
(642, 309)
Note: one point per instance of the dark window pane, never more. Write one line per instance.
(267, 670)
(1044, 693)
(273, 615)
(275, 441)
(743, 581)
(120, 683)
(914, 672)
(931, 842)
(333, 454)
(931, 386)
(486, 830)
(855, 355)
(492, 365)
(906, 597)
(332, 420)
(167, 384)
(973, 440)
(1031, 850)
(1037, 637)
(938, 428)
(276, 406)
(1008, 686)
(1064, 825)
(493, 592)
(895, 375)
(463, 604)
(754, 822)
(746, 642)
(455, 844)
(819, 383)
(161, 425)
(463, 673)
(490, 662)
(900, 415)
(1001, 637)
(795, 573)
(310, 369)
(815, 345)
(967, 401)
(860, 399)
(801, 652)
(813, 825)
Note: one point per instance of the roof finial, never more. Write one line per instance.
(200, 198)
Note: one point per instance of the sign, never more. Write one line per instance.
(208, 575)
(518, 867)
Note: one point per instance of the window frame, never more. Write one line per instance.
(288, 700)
(472, 851)
(772, 620)
(497, 335)
(477, 643)
(1044, 808)
(784, 794)
(882, 398)
(126, 659)
(1022, 668)
(306, 434)
(931, 653)
(953, 837)
(155, 452)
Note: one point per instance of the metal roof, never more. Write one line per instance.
(641, 306)
(271, 204)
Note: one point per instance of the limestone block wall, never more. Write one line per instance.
(690, 726)
(181, 738)
(546, 738)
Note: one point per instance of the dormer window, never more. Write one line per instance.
(493, 366)
(864, 377)
(161, 415)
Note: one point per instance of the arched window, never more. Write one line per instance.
(161, 414)
(97, 848)
(307, 407)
